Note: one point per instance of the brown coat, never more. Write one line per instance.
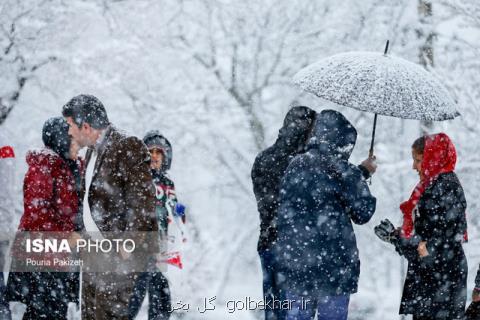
(122, 198)
(122, 193)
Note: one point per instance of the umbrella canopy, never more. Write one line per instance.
(378, 83)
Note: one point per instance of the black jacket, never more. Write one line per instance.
(436, 285)
(322, 193)
(270, 165)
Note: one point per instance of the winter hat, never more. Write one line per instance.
(55, 136)
(153, 139)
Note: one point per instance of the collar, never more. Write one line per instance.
(101, 139)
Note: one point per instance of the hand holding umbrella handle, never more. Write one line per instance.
(369, 165)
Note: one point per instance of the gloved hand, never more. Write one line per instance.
(386, 231)
(180, 212)
(370, 164)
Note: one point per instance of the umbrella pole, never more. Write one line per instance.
(370, 153)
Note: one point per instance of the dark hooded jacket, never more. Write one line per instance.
(270, 165)
(321, 194)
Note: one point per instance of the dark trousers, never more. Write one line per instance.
(271, 290)
(326, 307)
(159, 306)
(45, 309)
(106, 295)
(48, 299)
(4, 308)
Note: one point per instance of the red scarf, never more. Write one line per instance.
(439, 156)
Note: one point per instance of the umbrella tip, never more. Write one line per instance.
(386, 47)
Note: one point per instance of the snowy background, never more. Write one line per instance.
(214, 76)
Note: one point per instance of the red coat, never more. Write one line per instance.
(49, 195)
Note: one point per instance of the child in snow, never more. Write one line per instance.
(166, 205)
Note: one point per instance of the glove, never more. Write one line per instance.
(180, 212)
(369, 165)
(386, 231)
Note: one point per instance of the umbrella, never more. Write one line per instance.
(378, 83)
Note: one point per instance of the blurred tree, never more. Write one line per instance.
(425, 54)
(21, 29)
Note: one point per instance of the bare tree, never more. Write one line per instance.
(18, 60)
(246, 49)
(425, 52)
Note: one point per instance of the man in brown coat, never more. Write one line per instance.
(118, 197)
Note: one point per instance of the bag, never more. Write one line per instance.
(176, 237)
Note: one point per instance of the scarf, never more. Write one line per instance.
(439, 156)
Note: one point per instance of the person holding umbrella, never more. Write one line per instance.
(434, 227)
(321, 194)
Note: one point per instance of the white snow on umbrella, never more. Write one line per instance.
(378, 83)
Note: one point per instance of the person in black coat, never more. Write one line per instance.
(322, 193)
(473, 310)
(267, 172)
(434, 227)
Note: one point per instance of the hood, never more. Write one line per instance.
(42, 157)
(333, 134)
(439, 155)
(155, 139)
(55, 136)
(296, 128)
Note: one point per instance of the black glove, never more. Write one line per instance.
(386, 231)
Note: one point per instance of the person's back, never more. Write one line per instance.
(267, 172)
(322, 193)
(270, 166)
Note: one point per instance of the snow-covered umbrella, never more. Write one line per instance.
(378, 83)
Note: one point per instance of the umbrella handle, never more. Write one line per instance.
(370, 153)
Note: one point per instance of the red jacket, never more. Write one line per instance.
(49, 195)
